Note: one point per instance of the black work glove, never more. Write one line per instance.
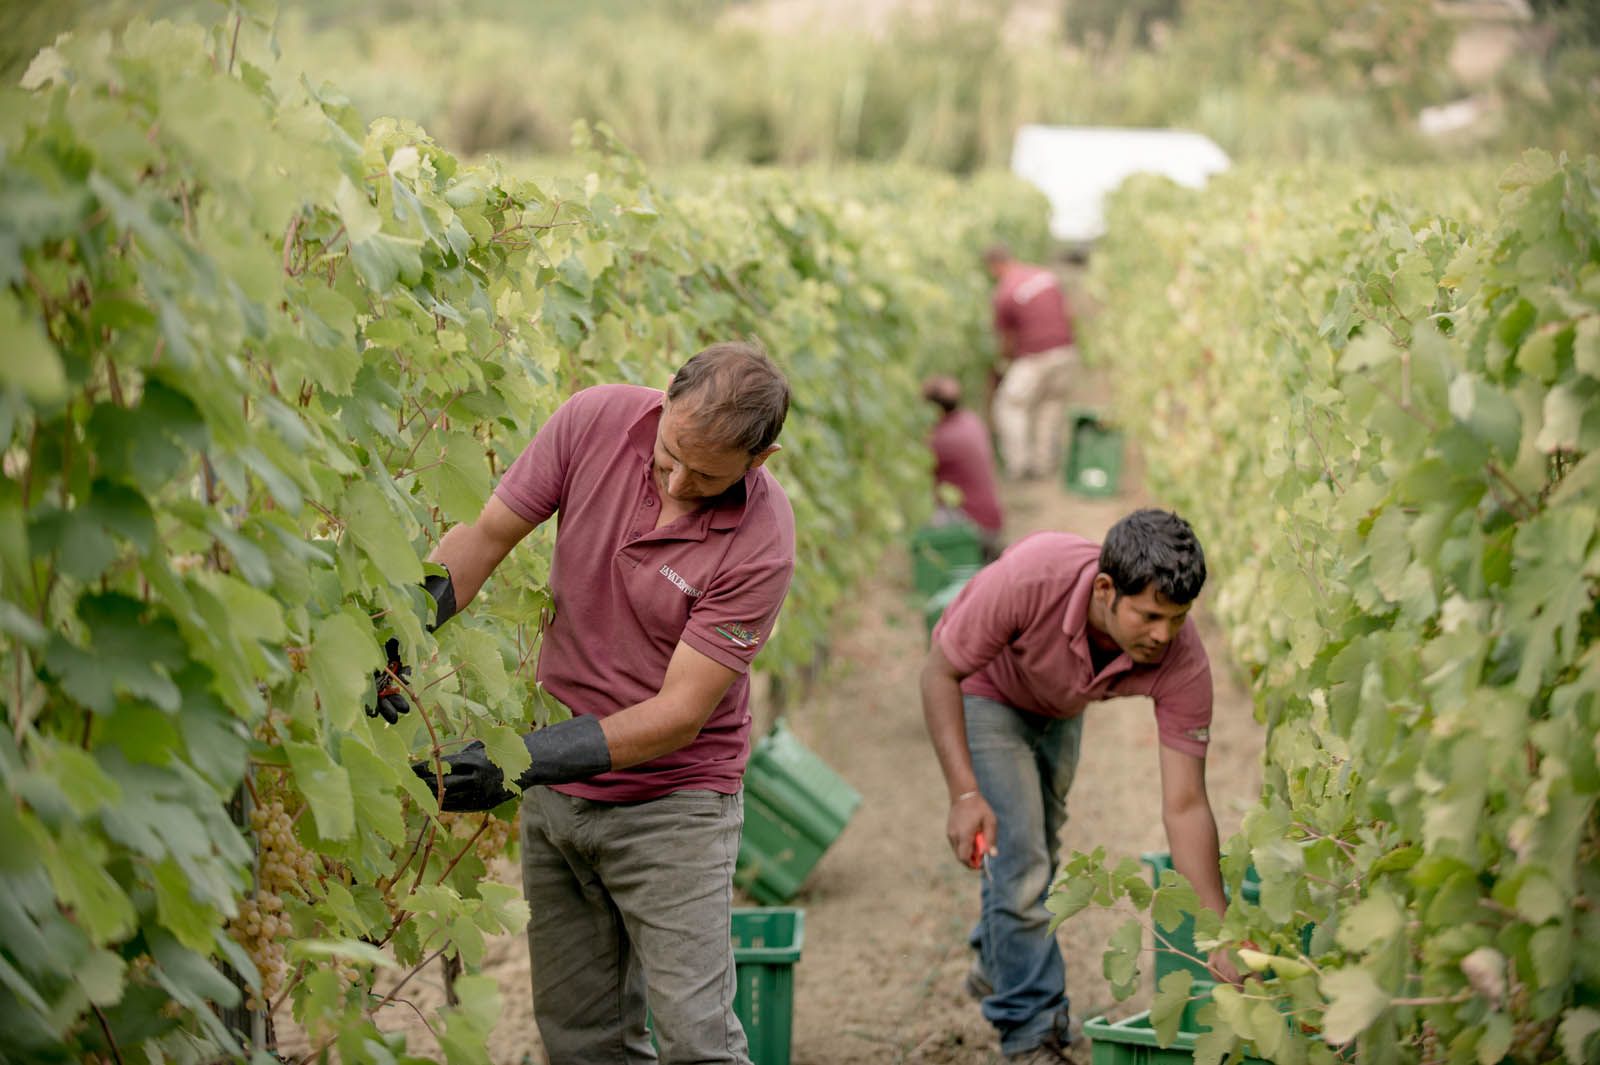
(570, 750)
(391, 697)
(472, 782)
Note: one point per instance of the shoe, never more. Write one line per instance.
(1054, 1050)
(1046, 1053)
(976, 983)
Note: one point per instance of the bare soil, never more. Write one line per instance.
(888, 908)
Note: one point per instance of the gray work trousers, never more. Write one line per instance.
(627, 897)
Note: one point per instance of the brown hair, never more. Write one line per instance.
(943, 391)
(738, 396)
(997, 253)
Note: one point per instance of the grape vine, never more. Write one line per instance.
(258, 358)
(1376, 401)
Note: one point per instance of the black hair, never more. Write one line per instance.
(1154, 547)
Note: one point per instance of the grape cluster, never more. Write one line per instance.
(1430, 1046)
(284, 864)
(491, 843)
(349, 974)
(1530, 1038)
(262, 927)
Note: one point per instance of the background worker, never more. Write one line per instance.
(673, 554)
(963, 459)
(1059, 622)
(1033, 330)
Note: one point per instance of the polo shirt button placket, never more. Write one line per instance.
(649, 503)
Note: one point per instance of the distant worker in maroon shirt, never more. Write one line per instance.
(1034, 330)
(673, 553)
(963, 460)
(1057, 623)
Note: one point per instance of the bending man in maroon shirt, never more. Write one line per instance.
(673, 554)
(963, 459)
(1055, 624)
(1034, 332)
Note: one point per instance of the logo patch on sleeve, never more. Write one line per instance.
(738, 635)
(1199, 735)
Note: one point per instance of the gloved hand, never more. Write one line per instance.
(575, 749)
(391, 697)
(472, 782)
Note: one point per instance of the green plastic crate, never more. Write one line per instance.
(1094, 455)
(1182, 938)
(933, 608)
(766, 945)
(1133, 1041)
(938, 550)
(794, 808)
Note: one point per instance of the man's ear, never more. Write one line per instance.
(1104, 587)
(761, 459)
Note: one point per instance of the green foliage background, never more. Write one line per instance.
(684, 81)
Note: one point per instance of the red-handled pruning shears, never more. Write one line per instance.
(980, 854)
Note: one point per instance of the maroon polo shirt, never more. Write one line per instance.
(1020, 630)
(962, 457)
(1031, 309)
(626, 592)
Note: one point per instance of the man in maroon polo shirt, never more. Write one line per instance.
(673, 554)
(1034, 331)
(1059, 622)
(963, 459)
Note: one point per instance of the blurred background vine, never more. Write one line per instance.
(685, 81)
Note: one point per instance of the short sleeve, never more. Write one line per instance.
(534, 485)
(1183, 702)
(733, 620)
(981, 620)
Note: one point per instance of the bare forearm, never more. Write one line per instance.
(1192, 837)
(947, 728)
(648, 730)
(472, 551)
(468, 568)
(670, 719)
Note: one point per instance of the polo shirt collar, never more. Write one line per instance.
(727, 510)
(642, 434)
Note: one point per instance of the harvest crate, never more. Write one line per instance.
(938, 550)
(933, 607)
(1133, 1041)
(766, 946)
(794, 808)
(1094, 455)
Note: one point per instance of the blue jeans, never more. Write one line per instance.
(1024, 763)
